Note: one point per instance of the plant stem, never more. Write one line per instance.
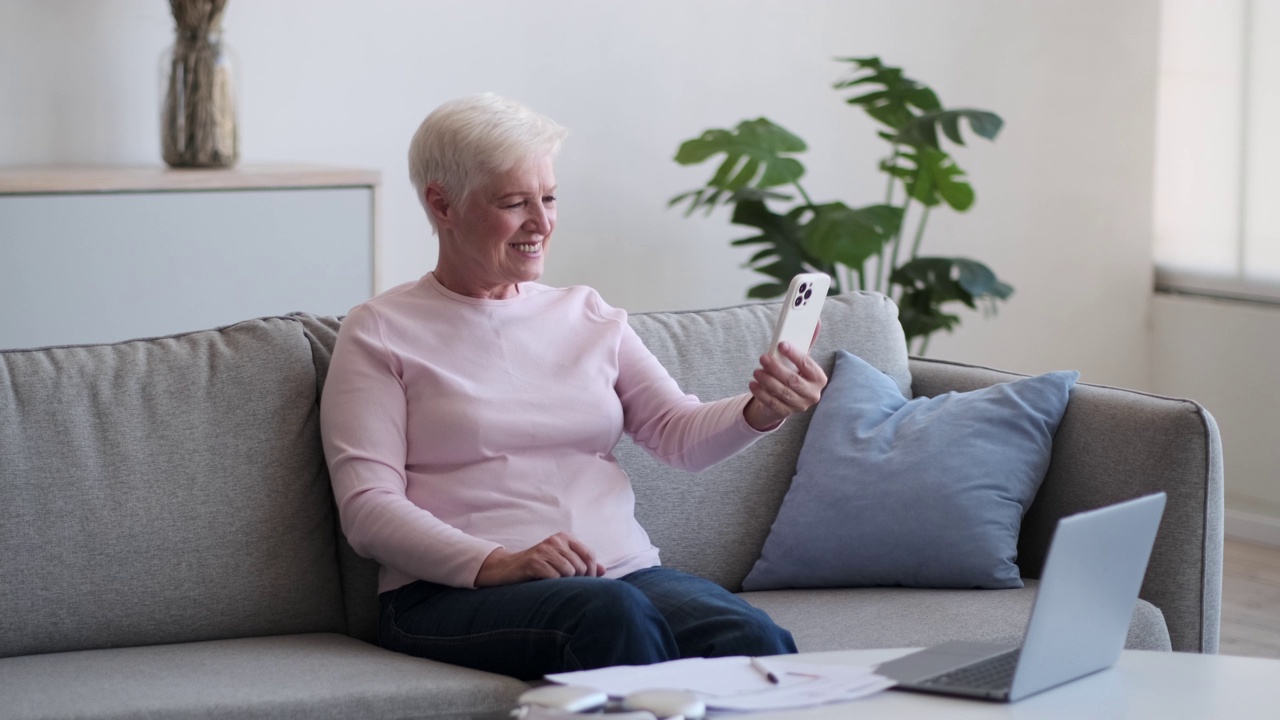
(915, 246)
(881, 276)
(803, 194)
(897, 241)
(924, 345)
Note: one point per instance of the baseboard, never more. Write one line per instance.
(1259, 529)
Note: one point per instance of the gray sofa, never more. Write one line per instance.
(170, 546)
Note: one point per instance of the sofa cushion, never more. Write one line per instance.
(164, 490)
(854, 618)
(714, 523)
(297, 676)
(923, 493)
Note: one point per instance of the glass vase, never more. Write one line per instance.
(198, 123)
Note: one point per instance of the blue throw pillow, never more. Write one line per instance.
(927, 492)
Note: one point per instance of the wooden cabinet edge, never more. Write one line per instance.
(40, 180)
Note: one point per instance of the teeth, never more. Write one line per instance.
(528, 247)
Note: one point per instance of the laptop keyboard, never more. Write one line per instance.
(993, 673)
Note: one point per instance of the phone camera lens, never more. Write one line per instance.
(808, 294)
(803, 286)
(799, 301)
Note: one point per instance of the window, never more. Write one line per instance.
(1217, 175)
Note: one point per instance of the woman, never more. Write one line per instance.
(469, 420)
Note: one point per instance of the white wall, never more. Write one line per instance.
(1064, 195)
(1223, 354)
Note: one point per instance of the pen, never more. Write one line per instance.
(766, 672)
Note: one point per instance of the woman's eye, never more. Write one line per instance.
(514, 206)
(549, 200)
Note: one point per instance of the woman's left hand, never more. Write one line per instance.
(778, 392)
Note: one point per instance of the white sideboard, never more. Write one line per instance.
(102, 254)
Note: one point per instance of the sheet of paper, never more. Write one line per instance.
(787, 669)
(712, 677)
(820, 691)
(732, 684)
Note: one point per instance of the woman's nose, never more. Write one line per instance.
(539, 221)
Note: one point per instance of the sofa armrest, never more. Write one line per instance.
(1116, 444)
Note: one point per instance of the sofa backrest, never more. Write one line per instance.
(174, 489)
(714, 523)
(359, 574)
(164, 490)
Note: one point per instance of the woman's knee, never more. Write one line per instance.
(618, 625)
(769, 637)
(749, 632)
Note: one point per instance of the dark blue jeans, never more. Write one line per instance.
(530, 629)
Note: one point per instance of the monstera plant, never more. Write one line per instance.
(859, 247)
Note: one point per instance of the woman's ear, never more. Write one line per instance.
(438, 204)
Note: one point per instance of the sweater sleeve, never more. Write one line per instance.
(363, 427)
(670, 425)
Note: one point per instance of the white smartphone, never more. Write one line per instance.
(800, 312)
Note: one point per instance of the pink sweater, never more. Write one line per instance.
(454, 425)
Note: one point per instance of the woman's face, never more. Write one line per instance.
(499, 232)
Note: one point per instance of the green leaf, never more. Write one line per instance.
(837, 234)
(947, 177)
(932, 177)
(682, 196)
(976, 278)
(784, 255)
(840, 234)
(928, 283)
(889, 114)
(886, 217)
(721, 178)
(924, 98)
(780, 269)
(870, 63)
(985, 124)
(923, 130)
(932, 277)
(951, 128)
(869, 98)
(751, 193)
(710, 199)
(755, 154)
(1001, 290)
(745, 174)
(900, 99)
(923, 322)
(765, 291)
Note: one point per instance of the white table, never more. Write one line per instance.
(1142, 684)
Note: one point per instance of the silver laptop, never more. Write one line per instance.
(1078, 624)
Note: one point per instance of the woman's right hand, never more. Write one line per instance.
(560, 555)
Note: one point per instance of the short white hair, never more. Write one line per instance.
(465, 141)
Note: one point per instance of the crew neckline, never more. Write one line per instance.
(432, 282)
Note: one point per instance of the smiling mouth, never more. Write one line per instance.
(531, 248)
